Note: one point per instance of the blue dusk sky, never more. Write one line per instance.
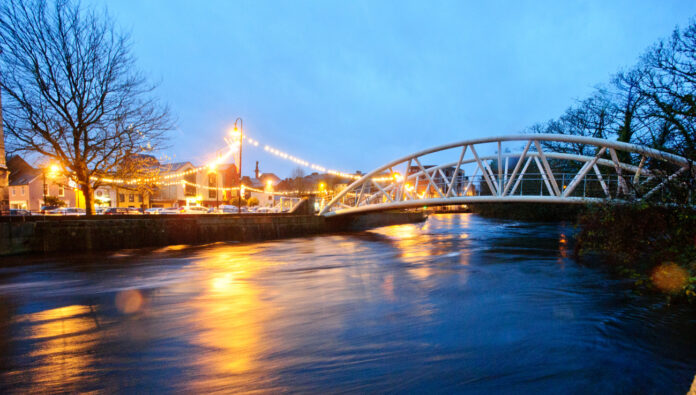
(351, 85)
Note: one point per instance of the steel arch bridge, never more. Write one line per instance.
(541, 168)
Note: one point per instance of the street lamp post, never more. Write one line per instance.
(239, 165)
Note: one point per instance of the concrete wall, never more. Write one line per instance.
(62, 234)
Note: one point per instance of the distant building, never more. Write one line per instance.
(184, 184)
(422, 184)
(27, 183)
(269, 177)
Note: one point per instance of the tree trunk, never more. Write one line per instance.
(87, 191)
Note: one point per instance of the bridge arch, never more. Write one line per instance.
(569, 169)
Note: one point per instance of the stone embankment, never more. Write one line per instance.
(22, 235)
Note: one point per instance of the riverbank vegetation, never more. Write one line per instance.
(653, 245)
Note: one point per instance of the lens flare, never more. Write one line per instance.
(129, 301)
(669, 277)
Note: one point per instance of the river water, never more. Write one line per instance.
(456, 304)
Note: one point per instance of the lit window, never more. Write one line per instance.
(131, 198)
(121, 197)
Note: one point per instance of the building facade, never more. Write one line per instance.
(185, 184)
(28, 186)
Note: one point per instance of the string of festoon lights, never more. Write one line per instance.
(166, 179)
(305, 163)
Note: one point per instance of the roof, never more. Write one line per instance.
(256, 183)
(265, 177)
(167, 167)
(21, 173)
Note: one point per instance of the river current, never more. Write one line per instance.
(458, 303)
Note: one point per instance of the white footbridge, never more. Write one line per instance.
(539, 168)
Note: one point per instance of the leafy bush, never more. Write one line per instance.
(54, 201)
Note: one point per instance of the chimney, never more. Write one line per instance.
(257, 170)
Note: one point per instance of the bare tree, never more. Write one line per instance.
(592, 117)
(73, 94)
(670, 86)
(298, 181)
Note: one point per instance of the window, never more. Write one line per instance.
(23, 191)
(99, 193)
(61, 190)
(14, 191)
(140, 198)
(121, 197)
(211, 194)
(189, 186)
(131, 198)
(45, 187)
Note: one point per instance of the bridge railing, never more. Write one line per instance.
(487, 170)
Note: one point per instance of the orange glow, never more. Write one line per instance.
(230, 316)
(65, 337)
(129, 301)
(669, 277)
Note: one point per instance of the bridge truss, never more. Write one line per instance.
(542, 168)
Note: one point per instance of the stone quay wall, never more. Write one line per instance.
(22, 235)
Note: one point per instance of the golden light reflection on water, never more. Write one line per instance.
(406, 238)
(418, 248)
(563, 252)
(229, 315)
(64, 339)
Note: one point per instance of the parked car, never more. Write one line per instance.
(195, 210)
(19, 212)
(67, 211)
(154, 211)
(122, 211)
(46, 209)
(185, 210)
(171, 210)
(229, 209)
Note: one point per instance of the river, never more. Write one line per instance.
(459, 303)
